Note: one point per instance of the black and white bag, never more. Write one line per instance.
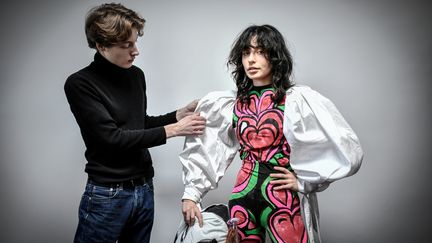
(214, 228)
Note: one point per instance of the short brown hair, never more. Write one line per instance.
(111, 23)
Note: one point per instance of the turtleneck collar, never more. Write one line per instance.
(102, 64)
(263, 87)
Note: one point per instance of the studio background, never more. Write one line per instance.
(371, 58)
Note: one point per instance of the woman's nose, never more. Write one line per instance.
(251, 58)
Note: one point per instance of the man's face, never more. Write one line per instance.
(122, 54)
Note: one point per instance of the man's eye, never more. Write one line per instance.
(126, 45)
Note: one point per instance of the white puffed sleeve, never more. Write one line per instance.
(324, 148)
(205, 158)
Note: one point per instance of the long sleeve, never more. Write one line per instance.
(98, 124)
(162, 120)
(324, 148)
(205, 158)
(109, 104)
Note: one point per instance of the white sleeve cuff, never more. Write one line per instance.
(300, 185)
(192, 193)
(307, 187)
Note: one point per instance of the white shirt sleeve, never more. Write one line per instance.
(205, 158)
(324, 148)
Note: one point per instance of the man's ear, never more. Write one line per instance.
(100, 47)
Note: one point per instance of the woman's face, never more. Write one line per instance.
(256, 64)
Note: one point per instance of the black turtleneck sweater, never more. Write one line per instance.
(110, 106)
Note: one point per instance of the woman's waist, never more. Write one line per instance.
(262, 167)
(275, 157)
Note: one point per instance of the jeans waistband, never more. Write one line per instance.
(125, 184)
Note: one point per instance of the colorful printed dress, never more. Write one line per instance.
(259, 208)
(305, 132)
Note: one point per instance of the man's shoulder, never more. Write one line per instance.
(80, 77)
(85, 73)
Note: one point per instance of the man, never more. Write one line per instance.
(109, 103)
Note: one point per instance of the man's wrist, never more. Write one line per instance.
(170, 130)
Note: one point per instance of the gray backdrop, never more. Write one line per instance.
(372, 58)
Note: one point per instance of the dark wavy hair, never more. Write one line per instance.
(271, 41)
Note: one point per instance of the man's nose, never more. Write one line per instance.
(135, 51)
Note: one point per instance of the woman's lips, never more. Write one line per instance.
(252, 70)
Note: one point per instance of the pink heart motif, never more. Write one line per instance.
(260, 128)
(244, 176)
(287, 226)
(244, 224)
(285, 222)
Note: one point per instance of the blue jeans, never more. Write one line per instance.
(111, 214)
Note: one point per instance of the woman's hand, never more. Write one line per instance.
(285, 180)
(190, 210)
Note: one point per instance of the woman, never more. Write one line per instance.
(290, 138)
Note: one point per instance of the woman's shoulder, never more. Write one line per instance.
(214, 95)
(302, 92)
(216, 101)
(218, 98)
(299, 89)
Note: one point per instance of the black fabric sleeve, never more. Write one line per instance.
(157, 121)
(95, 121)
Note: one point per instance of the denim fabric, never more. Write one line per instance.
(111, 214)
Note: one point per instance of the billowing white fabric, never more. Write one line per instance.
(324, 148)
(205, 158)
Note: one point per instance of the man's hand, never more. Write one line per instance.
(187, 110)
(286, 179)
(190, 210)
(190, 125)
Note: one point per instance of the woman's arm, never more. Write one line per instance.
(205, 158)
(324, 148)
